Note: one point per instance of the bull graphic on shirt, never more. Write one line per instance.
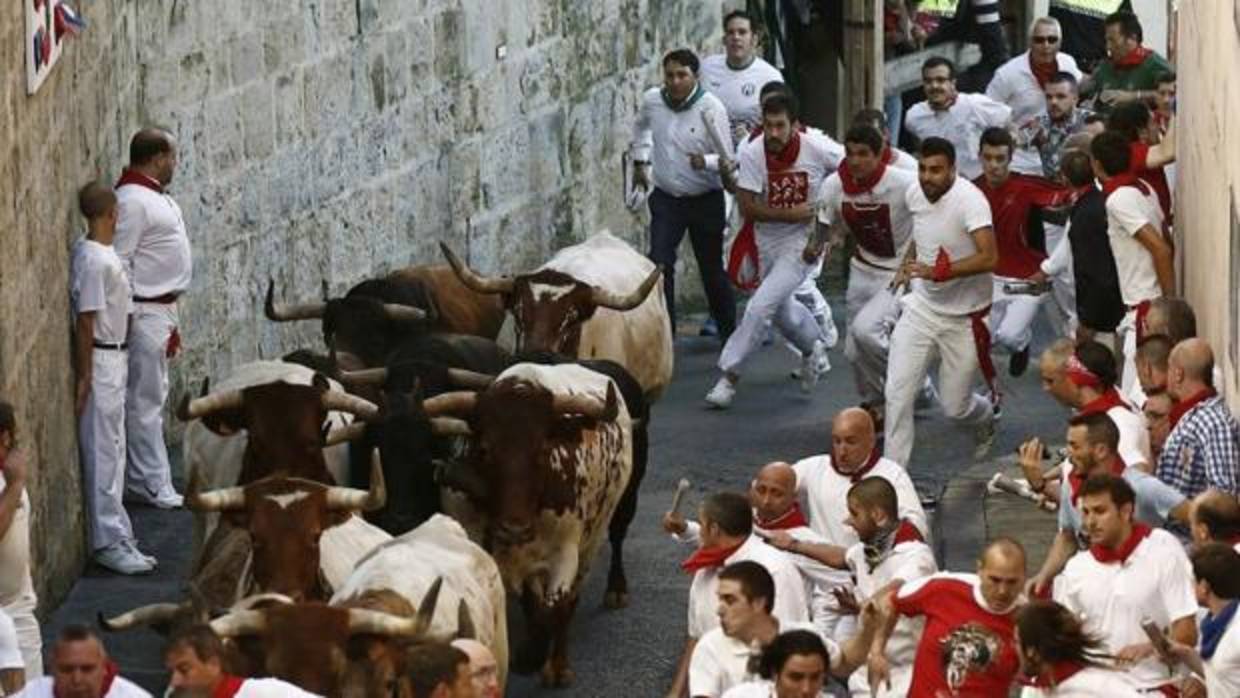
(787, 189)
(971, 648)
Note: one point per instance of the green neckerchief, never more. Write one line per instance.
(687, 102)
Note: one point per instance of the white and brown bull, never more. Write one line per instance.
(552, 455)
(599, 299)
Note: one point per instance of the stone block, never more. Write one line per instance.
(246, 56)
(449, 45)
(288, 102)
(258, 120)
(225, 135)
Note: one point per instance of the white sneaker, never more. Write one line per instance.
(814, 365)
(720, 396)
(120, 559)
(830, 333)
(132, 545)
(168, 500)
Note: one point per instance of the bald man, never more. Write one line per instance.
(483, 669)
(1203, 449)
(1216, 517)
(80, 668)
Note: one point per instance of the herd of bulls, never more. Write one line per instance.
(405, 486)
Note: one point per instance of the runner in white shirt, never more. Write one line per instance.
(866, 199)
(154, 246)
(194, 658)
(954, 116)
(781, 174)
(81, 667)
(892, 156)
(1148, 569)
(948, 268)
(736, 76)
(1143, 257)
(1216, 570)
(1058, 659)
(1020, 84)
(795, 665)
(17, 597)
(101, 306)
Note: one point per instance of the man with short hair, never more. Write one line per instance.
(483, 670)
(1131, 69)
(736, 75)
(1151, 152)
(948, 268)
(1021, 83)
(81, 668)
(891, 155)
(153, 245)
(794, 665)
(1164, 102)
(967, 646)
(1203, 449)
(439, 671)
(669, 151)
(1173, 317)
(1216, 517)
(1128, 576)
(956, 117)
(780, 178)
(1153, 355)
(194, 658)
(1216, 569)
(1157, 413)
(1060, 119)
(17, 596)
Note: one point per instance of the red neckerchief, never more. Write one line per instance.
(889, 155)
(786, 158)
(853, 186)
(227, 687)
(1111, 398)
(863, 470)
(1125, 179)
(1133, 58)
(1059, 672)
(907, 533)
(708, 558)
(1043, 73)
(110, 671)
(134, 177)
(1181, 408)
(793, 518)
(1076, 479)
(1106, 555)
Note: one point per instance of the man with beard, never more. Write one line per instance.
(954, 116)
(81, 668)
(1129, 575)
(1058, 659)
(1061, 118)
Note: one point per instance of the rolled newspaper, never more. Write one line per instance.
(1020, 488)
(681, 488)
(718, 141)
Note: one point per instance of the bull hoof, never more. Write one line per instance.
(615, 600)
(553, 677)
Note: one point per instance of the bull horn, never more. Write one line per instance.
(366, 622)
(203, 406)
(472, 280)
(256, 601)
(465, 623)
(450, 426)
(426, 609)
(356, 406)
(348, 498)
(472, 380)
(588, 405)
(616, 301)
(339, 435)
(224, 499)
(142, 616)
(287, 313)
(455, 402)
(403, 313)
(366, 376)
(238, 623)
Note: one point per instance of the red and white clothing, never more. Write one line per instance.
(875, 212)
(237, 687)
(1129, 209)
(1079, 681)
(1148, 578)
(787, 180)
(966, 648)
(1134, 438)
(17, 597)
(907, 561)
(944, 320)
(962, 123)
(1017, 85)
(738, 88)
(791, 606)
(720, 662)
(116, 687)
(819, 579)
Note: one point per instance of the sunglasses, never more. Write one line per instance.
(1045, 39)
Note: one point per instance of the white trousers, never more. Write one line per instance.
(149, 475)
(101, 434)
(1012, 315)
(1126, 340)
(29, 638)
(809, 295)
(921, 337)
(783, 272)
(1061, 313)
(872, 313)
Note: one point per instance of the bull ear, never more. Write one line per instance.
(320, 381)
(225, 422)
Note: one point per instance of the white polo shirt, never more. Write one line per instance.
(738, 89)
(791, 605)
(720, 662)
(1155, 583)
(878, 219)
(962, 123)
(667, 138)
(121, 688)
(1223, 669)
(1128, 210)
(909, 562)
(1091, 682)
(801, 183)
(271, 688)
(1015, 85)
(948, 224)
(152, 242)
(98, 284)
(826, 497)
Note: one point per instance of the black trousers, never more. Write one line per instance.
(703, 217)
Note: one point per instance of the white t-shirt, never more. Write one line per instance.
(152, 242)
(908, 562)
(1015, 85)
(720, 662)
(10, 649)
(878, 219)
(962, 123)
(99, 285)
(15, 582)
(667, 138)
(271, 688)
(121, 688)
(818, 157)
(1155, 583)
(1223, 669)
(738, 89)
(1128, 210)
(791, 605)
(826, 497)
(1090, 682)
(903, 161)
(948, 224)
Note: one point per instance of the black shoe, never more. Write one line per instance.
(709, 328)
(1019, 362)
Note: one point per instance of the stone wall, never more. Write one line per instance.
(321, 141)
